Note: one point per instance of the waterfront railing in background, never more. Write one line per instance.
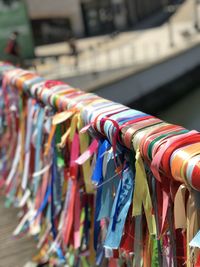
(95, 181)
(125, 51)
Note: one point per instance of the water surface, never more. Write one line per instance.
(185, 112)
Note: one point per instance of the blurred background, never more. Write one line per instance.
(141, 53)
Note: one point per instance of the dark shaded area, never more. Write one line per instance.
(8, 2)
(99, 16)
(185, 111)
(165, 96)
(51, 30)
(159, 17)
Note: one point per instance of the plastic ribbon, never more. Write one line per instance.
(141, 195)
(55, 144)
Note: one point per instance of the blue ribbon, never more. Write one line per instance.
(44, 202)
(97, 173)
(108, 186)
(97, 177)
(53, 177)
(122, 202)
(39, 127)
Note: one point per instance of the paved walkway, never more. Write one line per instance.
(13, 252)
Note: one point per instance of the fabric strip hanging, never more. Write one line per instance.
(97, 183)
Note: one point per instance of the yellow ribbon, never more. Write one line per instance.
(49, 141)
(62, 116)
(141, 195)
(192, 228)
(186, 217)
(73, 126)
(179, 208)
(86, 167)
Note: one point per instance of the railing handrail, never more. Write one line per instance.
(170, 153)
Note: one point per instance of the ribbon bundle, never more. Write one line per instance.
(97, 182)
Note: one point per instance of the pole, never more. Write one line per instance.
(196, 15)
(171, 35)
(170, 10)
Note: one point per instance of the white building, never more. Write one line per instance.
(57, 9)
(55, 20)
